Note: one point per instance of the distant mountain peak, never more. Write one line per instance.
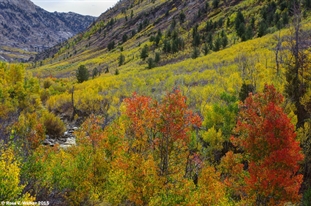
(26, 5)
(25, 26)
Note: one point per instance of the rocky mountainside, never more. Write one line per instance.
(27, 29)
(172, 30)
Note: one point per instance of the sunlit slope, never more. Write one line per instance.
(202, 80)
(131, 24)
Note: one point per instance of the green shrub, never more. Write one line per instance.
(54, 126)
(47, 83)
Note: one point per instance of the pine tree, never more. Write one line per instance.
(196, 40)
(241, 31)
(209, 38)
(167, 46)
(240, 24)
(157, 58)
(157, 40)
(182, 17)
(124, 38)
(121, 59)
(217, 44)
(111, 45)
(224, 39)
(195, 53)
(215, 4)
(151, 63)
(205, 49)
(144, 52)
(262, 29)
(82, 74)
(95, 72)
(285, 18)
(249, 33)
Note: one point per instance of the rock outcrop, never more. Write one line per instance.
(66, 140)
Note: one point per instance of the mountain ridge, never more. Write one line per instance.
(30, 28)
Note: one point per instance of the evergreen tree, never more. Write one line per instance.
(121, 59)
(111, 46)
(95, 72)
(157, 40)
(124, 38)
(167, 46)
(159, 33)
(152, 39)
(276, 18)
(167, 13)
(205, 49)
(210, 41)
(240, 24)
(228, 22)
(139, 27)
(241, 31)
(174, 47)
(220, 22)
(245, 90)
(215, 3)
(262, 29)
(157, 58)
(249, 33)
(151, 63)
(175, 35)
(209, 26)
(82, 74)
(195, 53)
(224, 41)
(285, 18)
(173, 24)
(253, 23)
(217, 44)
(239, 19)
(196, 40)
(144, 52)
(182, 17)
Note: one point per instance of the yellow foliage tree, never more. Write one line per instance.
(10, 187)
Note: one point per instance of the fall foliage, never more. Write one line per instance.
(268, 140)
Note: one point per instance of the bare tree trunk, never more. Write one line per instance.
(277, 50)
(73, 105)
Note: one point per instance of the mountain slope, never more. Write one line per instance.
(176, 30)
(30, 28)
